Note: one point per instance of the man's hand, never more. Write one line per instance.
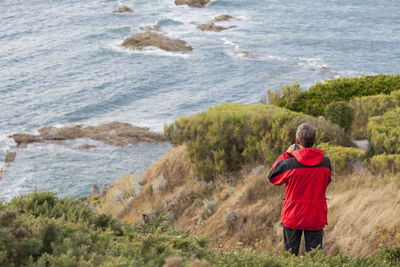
(291, 149)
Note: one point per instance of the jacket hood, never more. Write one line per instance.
(309, 156)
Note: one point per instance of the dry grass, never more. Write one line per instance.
(362, 207)
(359, 207)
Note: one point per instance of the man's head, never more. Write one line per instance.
(305, 135)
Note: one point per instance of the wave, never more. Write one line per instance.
(168, 22)
(315, 63)
(247, 54)
(10, 189)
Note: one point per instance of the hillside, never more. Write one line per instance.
(40, 229)
(244, 210)
(214, 181)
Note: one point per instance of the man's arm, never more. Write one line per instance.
(277, 175)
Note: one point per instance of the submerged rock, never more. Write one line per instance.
(150, 28)
(10, 157)
(123, 9)
(192, 3)
(223, 17)
(142, 40)
(115, 133)
(85, 147)
(212, 27)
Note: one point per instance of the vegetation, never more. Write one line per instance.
(383, 133)
(370, 106)
(317, 97)
(342, 158)
(384, 163)
(42, 230)
(340, 113)
(223, 138)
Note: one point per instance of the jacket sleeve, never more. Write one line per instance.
(285, 155)
(330, 172)
(278, 175)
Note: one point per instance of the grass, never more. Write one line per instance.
(360, 206)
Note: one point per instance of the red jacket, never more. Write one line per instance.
(306, 173)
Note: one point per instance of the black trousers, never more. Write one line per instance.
(292, 238)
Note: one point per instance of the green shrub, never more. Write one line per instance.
(384, 163)
(383, 133)
(342, 158)
(340, 113)
(47, 204)
(223, 138)
(317, 97)
(43, 240)
(369, 106)
(390, 255)
(29, 237)
(286, 96)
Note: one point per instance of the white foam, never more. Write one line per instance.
(243, 18)
(277, 58)
(6, 143)
(10, 189)
(315, 63)
(242, 53)
(227, 41)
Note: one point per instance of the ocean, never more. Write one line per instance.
(62, 64)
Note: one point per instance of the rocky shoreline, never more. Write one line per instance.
(114, 133)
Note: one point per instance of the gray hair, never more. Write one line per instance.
(306, 135)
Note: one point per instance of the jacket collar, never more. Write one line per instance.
(309, 156)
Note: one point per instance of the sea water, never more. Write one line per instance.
(61, 64)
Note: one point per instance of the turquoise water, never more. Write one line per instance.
(61, 64)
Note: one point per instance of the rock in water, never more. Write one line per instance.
(10, 156)
(123, 9)
(150, 28)
(222, 18)
(115, 133)
(212, 27)
(142, 40)
(192, 3)
(23, 139)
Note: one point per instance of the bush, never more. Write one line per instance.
(384, 163)
(318, 96)
(223, 138)
(286, 96)
(390, 255)
(340, 113)
(370, 106)
(29, 237)
(383, 133)
(30, 240)
(342, 158)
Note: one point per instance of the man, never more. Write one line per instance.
(306, 173)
